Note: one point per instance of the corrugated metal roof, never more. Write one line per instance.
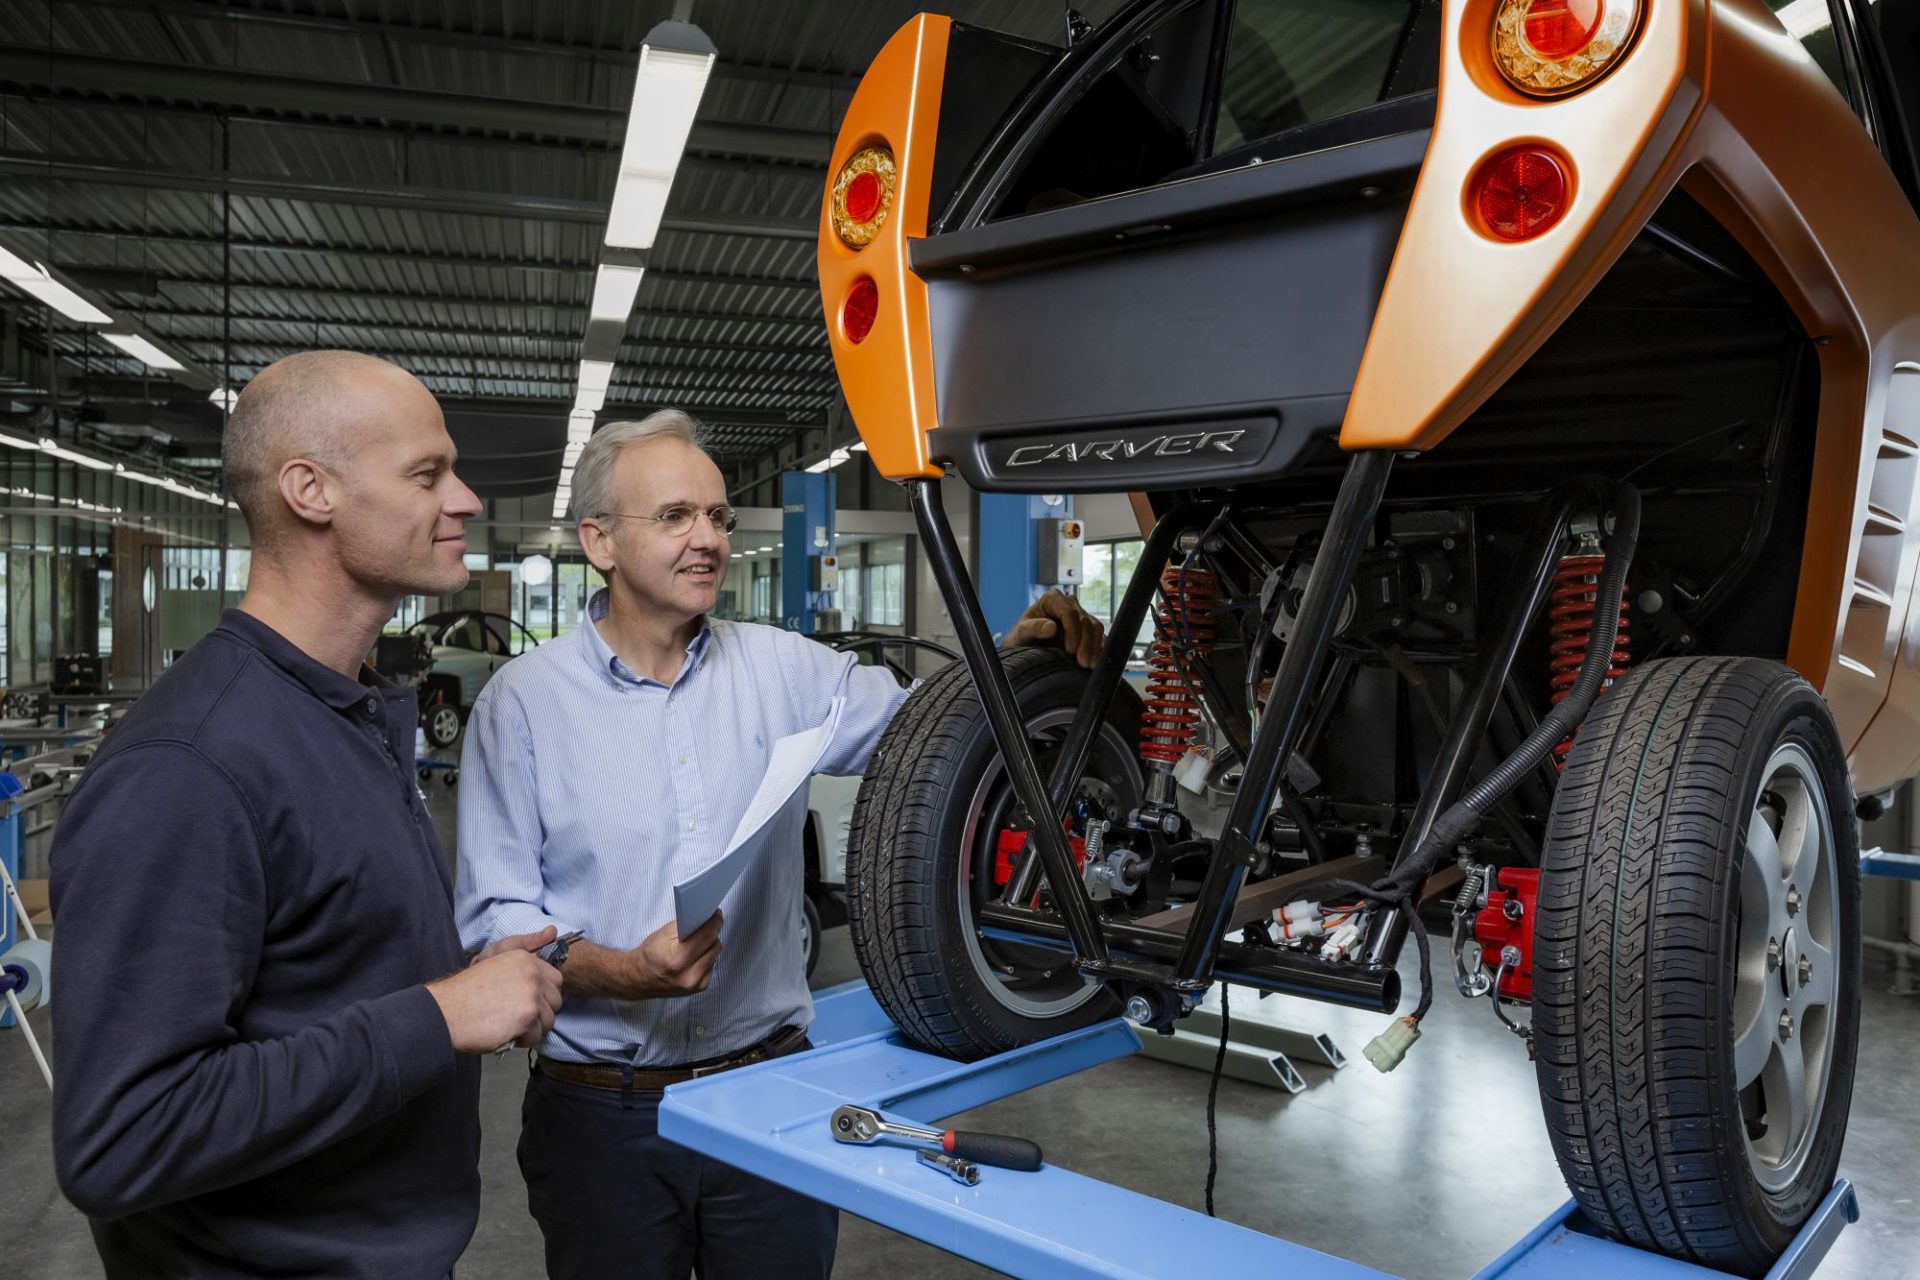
(427, 179)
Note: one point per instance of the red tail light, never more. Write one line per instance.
(1546, 48)
(1521, 192)
(859, 310)
(863, 196)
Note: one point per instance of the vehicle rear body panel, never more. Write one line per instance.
(1121, 343)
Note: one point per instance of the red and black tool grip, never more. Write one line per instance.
(1002, 1151)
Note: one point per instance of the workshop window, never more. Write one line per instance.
(1811, 23)
(1107, 569)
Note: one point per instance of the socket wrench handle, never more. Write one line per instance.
(1004, 1151)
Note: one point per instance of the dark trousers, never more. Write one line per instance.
(616, 1201)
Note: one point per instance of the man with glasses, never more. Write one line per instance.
(599, 770)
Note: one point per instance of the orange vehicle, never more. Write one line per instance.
(1485, 371)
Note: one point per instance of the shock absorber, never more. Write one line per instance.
(1570, 626)
(1183, 631)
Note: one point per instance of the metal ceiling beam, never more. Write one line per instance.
(657, 275)
(485, 204)
(64, 73)
(221, 11)
(810, 323)
(632, 342)
(558, 368)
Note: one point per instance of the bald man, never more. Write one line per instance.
(266, 1023)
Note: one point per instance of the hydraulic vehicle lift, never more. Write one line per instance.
(771, 1119)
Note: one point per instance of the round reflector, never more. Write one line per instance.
(1546, 48)
(857, 313)
(1521, 192)
(863, 196)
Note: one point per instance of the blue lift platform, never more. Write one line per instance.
(771, 1119)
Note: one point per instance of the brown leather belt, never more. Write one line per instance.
(606, 1075)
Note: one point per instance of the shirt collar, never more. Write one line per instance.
(606, 663)
(337, 691)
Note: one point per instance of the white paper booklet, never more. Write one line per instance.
(793, 760)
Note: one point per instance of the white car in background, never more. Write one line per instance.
(830, 800)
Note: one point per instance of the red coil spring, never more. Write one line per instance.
(1188, 599)
(1571, 628)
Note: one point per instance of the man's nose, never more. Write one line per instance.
(462, 503)
(707, 535)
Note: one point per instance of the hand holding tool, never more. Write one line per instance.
(1004, 1151)
(555, 954)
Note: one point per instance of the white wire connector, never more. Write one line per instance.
(1389, 1049)
(1344, 938)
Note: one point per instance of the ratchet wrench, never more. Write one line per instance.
(859, 1125)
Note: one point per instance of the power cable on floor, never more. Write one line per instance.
(1213, 1094)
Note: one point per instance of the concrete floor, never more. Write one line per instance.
(1427, 1174)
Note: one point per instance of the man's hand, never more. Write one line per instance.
(1058, 620)
(507, 994)
(664, 967)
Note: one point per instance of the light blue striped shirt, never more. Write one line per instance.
(587, 791)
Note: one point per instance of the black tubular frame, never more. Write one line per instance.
(1354, 509)
(1186, 962)
(1107, 674)
(1528, 589)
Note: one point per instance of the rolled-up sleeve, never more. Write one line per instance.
(499, 889)
(816, 675)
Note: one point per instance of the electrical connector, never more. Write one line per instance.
(1298, 919)
(1341, 941)
(1388, 1049)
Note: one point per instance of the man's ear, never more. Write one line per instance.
(598, 545)
(308, 491)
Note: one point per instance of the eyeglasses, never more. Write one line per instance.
(676, 521)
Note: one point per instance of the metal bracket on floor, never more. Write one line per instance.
(1258, 1052)
(771, 1119)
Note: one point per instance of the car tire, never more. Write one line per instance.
(810, 933)
(1696, 977)
(920, 856)
(442, 722)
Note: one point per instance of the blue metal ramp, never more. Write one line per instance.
(771, 1119)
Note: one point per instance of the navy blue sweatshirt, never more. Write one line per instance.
(248, 897)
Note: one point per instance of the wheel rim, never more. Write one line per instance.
(446, 724)
(1787, 980)
(1056, 989)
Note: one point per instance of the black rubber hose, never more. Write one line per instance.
(1401, 887)
(1459, 819)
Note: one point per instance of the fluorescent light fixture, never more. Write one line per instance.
(33, 278)
(223, 396)
(589, 401)
(572, 453)
(53, 447)
(674, 64)
(614, 289)
(858, 446)
(818, 467)
(15, 442)
(829, 462)
(141, 349)
(579, 426)
(1804, 17)
(595, 375)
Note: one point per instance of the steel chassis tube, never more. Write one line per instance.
(1004, 718)
(1105, 682)
(1354, 509)
(1529, 585)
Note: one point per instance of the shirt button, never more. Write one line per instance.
(683, 759)
(373, 704)
(699, 1031)
(693, 826)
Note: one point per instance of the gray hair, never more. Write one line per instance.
(593, 473)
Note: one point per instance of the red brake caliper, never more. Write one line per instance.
(1507, 921)
(1013, 840)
